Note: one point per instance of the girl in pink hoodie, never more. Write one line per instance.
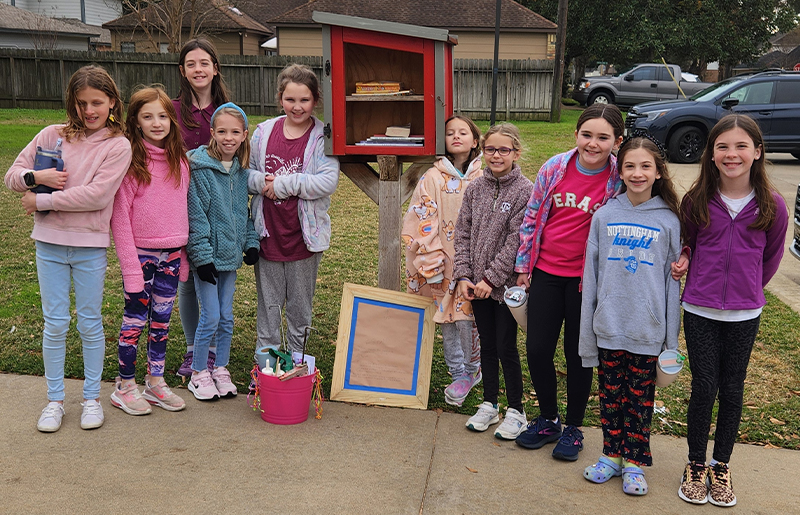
(151, 228)
(71, 229)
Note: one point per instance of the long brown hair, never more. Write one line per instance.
(95, 77)
(476, 135)
(173, 142)
(243, 152)
(608, 112)
(219, 90)
(707, 183)
(663, 186)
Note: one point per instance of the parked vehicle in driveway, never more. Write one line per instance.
(794, 248)
(771, 98)
(642, 83)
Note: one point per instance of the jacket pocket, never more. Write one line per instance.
(628, 316)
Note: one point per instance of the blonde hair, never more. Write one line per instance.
(243, 152)
(94, 77)
(504, 129)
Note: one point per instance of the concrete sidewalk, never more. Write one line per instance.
(221, 457)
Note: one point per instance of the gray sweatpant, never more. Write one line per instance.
(286, 287)
(462, 352)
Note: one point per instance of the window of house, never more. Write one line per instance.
(163, 48)
(127, 47)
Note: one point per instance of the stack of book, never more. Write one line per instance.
(382, 88)
(393, 141)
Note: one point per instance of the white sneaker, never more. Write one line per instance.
(92, 416)
(514, 424)
(50, 419)
(485, 417)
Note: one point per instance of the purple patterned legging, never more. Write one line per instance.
(154, 305)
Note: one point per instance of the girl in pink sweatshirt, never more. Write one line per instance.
(151, 228)
(71, 229)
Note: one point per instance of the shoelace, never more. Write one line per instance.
(569, 436)
(51, 411)
(696, 472)
(91, 408)
(720, 475)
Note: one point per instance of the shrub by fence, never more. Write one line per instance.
(37, 79)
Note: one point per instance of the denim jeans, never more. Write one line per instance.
(85, 267)
(190, 311)
(216, 318)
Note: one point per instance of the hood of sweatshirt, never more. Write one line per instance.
(447, 168)
(199, 158)
(654, 204)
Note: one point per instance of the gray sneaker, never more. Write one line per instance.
(486, 416)
(514, 424)
(50, 419)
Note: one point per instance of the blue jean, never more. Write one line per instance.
(216, 319)
(190, 312)
(85, 267)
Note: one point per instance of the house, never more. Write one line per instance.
(20, 28)
(91, 12)
(523, 33)
(231, 30)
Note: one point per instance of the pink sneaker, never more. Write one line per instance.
(460, 388)
(222, 380)
(202, 386)
(128, 399)
(160, 395)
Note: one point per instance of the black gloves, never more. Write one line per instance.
(207, 273)
(251, 256)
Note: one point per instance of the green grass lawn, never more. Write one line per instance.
(772, 396)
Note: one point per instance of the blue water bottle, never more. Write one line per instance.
(47, 159)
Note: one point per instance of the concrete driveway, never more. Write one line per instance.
(784, 171)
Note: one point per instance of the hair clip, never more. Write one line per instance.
(642, 133)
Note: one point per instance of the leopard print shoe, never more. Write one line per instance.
(720, 492)
(693, 485)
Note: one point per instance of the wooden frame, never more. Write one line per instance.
(384, 349)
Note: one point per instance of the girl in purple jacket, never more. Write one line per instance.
(734, 226)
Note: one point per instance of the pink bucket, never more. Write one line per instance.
(285, 402)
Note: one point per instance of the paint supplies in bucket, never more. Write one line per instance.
(283, 389)
(516, 299)
(670, 363)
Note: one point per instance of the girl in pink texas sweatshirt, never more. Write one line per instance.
(151, 228)
(71, 230)
(428, 236)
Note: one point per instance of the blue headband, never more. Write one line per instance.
(232, 106)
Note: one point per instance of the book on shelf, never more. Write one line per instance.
(388, 141)
(406, 92)
(402, 131)
(378, 86)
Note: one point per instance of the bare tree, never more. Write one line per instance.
(170, 19)
(44, 32)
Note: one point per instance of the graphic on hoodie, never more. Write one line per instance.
(632, 244)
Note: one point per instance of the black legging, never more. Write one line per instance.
(498, 332)
(719, 353)
(553, 299)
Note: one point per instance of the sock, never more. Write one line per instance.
(190, 348)
(626, 463)
(617, 459)
(712, 463)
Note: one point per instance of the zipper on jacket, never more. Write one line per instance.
(727, 261)
(496, 193)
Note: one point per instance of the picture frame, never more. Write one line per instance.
(384, 348)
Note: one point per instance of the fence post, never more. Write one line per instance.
(13, 83)
(508, 95)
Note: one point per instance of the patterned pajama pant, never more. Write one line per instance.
(627, 389)
(154, 305)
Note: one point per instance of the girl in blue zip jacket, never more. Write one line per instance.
(734, 224)
(292, 182)
(220, 231)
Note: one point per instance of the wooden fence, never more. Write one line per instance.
(37, 79)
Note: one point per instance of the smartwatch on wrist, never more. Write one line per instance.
(30, 180)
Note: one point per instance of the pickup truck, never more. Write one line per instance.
(642, 83)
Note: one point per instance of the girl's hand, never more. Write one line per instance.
(29, 202)
(482, 290)
(51, 177)
(680, 267)
(465, 288)
(269, 187)
(524, 281)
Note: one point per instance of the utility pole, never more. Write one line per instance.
(558, 68)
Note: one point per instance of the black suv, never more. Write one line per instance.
(771, 98)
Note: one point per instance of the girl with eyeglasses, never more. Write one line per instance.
(569, 188)
(486, 242)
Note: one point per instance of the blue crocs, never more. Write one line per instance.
(602, 471)
(633, 482)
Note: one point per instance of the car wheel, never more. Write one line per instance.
(601, 97)
(796, 154)
(686, 145)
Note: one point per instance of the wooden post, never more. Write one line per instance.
(389, 219)
(558, 71)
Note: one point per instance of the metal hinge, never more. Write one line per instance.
(327, 67)
(327, 130)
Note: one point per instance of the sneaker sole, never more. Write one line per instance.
(200, 397)
(126, 409)
(540, 443)
(453, 402)
(155, 401)
(566, 457)
(48, 429)
(479, 428)
(507, 436)
(92, 426)
(691, 501)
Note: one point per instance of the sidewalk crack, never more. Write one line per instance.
(430, 464)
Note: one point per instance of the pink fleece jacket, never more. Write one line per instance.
(80, 213)
(150, 216)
